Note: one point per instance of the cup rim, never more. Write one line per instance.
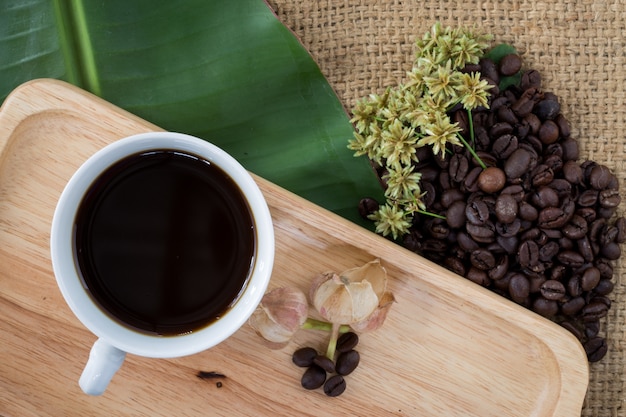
(99, 322)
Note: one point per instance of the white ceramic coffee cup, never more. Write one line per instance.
(115, 339)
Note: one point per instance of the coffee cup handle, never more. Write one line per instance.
(104, 361)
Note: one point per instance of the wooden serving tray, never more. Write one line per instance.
(448, 348)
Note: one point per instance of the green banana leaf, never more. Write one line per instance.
(227, 71)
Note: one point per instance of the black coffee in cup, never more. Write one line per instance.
(164, 242)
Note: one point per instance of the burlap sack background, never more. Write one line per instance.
(577, 45)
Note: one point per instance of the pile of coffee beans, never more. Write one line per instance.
(538, 225)
(319, 366)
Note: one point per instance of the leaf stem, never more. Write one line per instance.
(332, 343)
(313, 324)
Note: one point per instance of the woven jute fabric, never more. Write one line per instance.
(363, 46)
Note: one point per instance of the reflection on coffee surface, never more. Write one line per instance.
(164, 241)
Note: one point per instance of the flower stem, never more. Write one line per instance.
(428, 213)
(470, 122)
(469, 148)
(313, 324)
(332, 343)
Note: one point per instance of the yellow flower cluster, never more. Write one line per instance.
(390, 127)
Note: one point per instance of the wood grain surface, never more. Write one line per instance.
(448, 348)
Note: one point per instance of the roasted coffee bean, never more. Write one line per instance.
(517, 164)
(303, 357)
(554, 162)
(571, 258)
(504, 145)
(573, 329)
(563, 188)
(367, 206)
(491, 180)
(325, 363)
(516, 191)
(533, 122)
(478, 276)
(545, 197)
(347, 362)
(482, 259)
(466, 242)
(541, 175)
(551, 217)
(548, 132)
(455, 265)
(587, 213)
(484, 233)
(500, 269)
(458, 168)
(596, 228)
(437, 228)
(530, 79)
(545, 307)
(604, 287)
(573, 306)
(620, 224)
(477, 212)
(605, 212)
(609, 234)
(572, 172)
(573, 286)
(552, 290)
(548, 251)
(547, 109)
(557, 272)
(528, 212)
(505, 114)
(489, 70)
(601, 299)
(500, 129)
(347, 341)
(564, 126)
(592, 328)
(594, 311)
(605, 268)
(509, 229)
(335, 386)
(528, 254)
(570, 149)
(470, 184)
(596, 349)
(519, 288)
(524, 105)
(609, 198)
(584, 247)
(611, 251)
(508, 243)
(506, 208)
(450, 196)
(313, 377)
(510, 64)
(599, 177)
(430, 194)
(576, 228)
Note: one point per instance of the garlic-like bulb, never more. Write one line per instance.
(351, 296)
(378, 316)
(280, 314)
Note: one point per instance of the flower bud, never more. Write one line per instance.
(280, 314)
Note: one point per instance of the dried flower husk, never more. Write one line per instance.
(375, 320)
(280, 314)
(351, 296)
